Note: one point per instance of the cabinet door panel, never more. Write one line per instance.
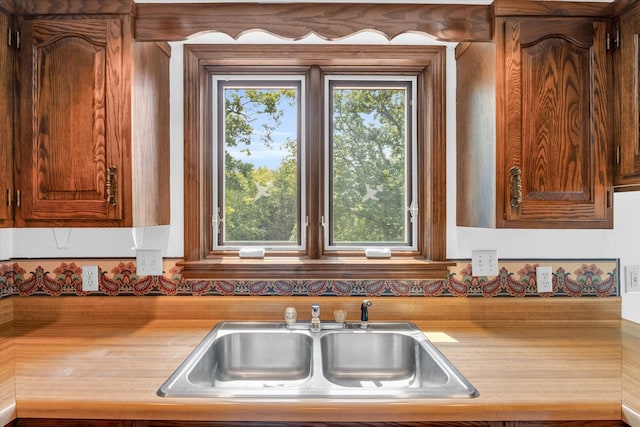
(69, 135)
(555, 107)
(70, 107)
(628, 171)
(556, 130)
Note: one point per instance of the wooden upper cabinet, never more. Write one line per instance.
(7, 79)
(84, 84)
(71, 97)
(627, 175)
(546, 139)
(556, 75)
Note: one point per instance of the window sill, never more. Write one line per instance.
(305, 268)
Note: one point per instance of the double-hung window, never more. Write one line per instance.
(312, 155)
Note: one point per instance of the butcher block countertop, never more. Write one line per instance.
(105, 357)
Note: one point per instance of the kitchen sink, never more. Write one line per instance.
(387, 360)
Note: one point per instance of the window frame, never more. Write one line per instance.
(426, 62)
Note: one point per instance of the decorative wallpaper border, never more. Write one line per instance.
(517, 278)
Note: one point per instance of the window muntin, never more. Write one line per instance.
(258, 131)
(371, 169)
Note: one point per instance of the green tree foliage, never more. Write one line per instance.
(369, 159)
(369, 156)
(250, 215)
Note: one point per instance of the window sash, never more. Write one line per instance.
(219, 84)
(410, 197)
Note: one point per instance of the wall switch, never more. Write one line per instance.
(633, 278)
(90, 278)
(544, 279)
(148, 262)
(484, 263)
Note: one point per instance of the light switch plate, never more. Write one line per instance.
(484, 263)
(633, 278)
(149, 262)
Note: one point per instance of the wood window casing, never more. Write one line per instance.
(200, 61)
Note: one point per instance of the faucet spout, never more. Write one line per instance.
(315, 317)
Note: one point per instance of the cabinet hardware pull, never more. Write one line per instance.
(9, 197)
(516, 186)
(112, 185)
(18, 198)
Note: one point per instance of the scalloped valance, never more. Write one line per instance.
(330, 21)
(294, 21)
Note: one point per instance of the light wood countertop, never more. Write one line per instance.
(106, 358)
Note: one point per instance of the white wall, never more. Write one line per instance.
(622, 242)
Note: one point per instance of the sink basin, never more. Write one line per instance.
(263, 357)
(270, 360)
(370, 360)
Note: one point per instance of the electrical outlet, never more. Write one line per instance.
(148, 262)
(633, 278)
(90, 278)
(484, 263)
(544, 279)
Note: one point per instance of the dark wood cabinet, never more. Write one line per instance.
(7, 55)
(627, 55)
(93, 133)
(534, 126)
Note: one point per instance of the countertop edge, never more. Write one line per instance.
(313, 411)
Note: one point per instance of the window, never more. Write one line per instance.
(314, 152)
(370, 191)
(259, 174)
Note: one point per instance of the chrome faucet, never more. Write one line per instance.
(364, 312)
(315, 317)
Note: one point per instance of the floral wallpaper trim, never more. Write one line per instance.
(517, 278)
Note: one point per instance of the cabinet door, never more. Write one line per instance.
(70, 134)
(557, 155)
(628, 140)
(7, 80)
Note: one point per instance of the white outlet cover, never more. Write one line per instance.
(544, 279)
(149, 262)
(90, 278)
(484, 263)
(633, 278)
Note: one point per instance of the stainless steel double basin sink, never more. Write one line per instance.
(385, 360)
